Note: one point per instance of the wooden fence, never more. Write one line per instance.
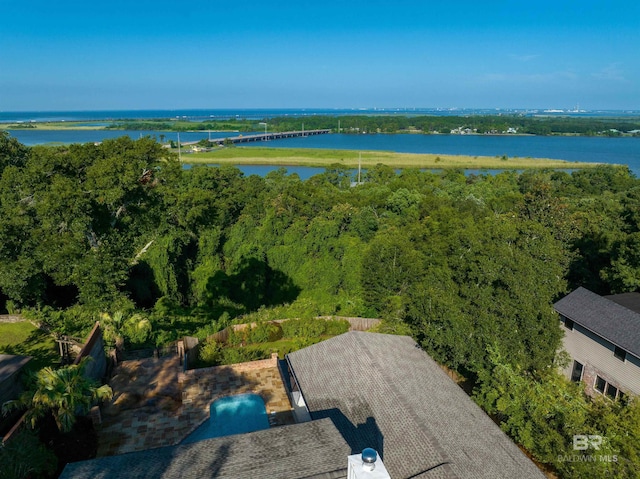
(93, 347)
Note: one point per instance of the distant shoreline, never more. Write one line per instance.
(481, 124)
(65, 126)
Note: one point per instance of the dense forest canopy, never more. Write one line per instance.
(470, 265)
(464, 261)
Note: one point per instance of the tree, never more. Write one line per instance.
(72, 216)
(63, 392)
(12, 152)
(338, 175)
(543, 413)
(623, 275)
(25, 457)
(112, 327)
(389, 267)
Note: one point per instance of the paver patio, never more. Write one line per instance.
(156, 404)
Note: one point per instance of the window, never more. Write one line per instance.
(620, 353)
(576, 373)
(568, 324)
(610, 390)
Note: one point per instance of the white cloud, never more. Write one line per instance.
(549, 77)
(610, 72)
(523, 58)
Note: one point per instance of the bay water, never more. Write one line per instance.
(625, 150)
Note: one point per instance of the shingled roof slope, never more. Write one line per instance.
(10, 364)
(604, 317)
(383, 391)
(308, 450)
(628, 300)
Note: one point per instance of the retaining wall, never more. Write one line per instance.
(12, 318)
(94, 348)
(272, 362)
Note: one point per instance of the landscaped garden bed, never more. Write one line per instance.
(258, 341)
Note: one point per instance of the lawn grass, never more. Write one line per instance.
(349, 158)
(24, 339)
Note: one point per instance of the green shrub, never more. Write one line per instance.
(224, 319)
(237, 338)
(207, 330)
(137, 329)
(241, 355)
(25, 457)
(313, 328)
(264, 333)
(308, 328)
(11, 307)
(334, 327)
(211, 353)
(75, 321)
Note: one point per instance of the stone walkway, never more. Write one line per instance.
(156, 404)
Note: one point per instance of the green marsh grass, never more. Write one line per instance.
(349, 158)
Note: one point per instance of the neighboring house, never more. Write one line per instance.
(10, 368)
(602, 337)
(359, 390)
(10, 386)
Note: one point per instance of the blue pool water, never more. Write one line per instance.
(232, 415)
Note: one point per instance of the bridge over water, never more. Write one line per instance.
(262, 137)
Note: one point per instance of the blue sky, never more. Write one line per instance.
(144, 54)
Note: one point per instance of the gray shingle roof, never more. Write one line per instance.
(628, 300)
(384, 392)
(10, 364)
(604, 317)
(308, 450)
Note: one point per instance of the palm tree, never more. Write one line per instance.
(64, 392)
(117, 327)
(112, 329)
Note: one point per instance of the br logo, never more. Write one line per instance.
(583, 442)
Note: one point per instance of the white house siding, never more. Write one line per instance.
(596, 354)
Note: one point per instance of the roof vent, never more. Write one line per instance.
(366, 466)
(369, 457)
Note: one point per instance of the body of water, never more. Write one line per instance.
(31, 137)
(222, 114)
(624, 151)
(571, 148)
(258, 114)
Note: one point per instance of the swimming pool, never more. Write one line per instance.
(232, 415)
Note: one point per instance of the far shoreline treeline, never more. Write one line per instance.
(361, 124)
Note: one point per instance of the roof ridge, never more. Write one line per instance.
(402, 399)
(604, 317)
